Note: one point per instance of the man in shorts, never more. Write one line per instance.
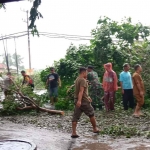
(53, 81)
(138, 90)
(82, 102)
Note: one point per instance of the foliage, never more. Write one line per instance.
(34, 14)
(119, 130)
(37, 80)
(2, 6)
(64, 104)
(113, 41)
(75, 58)
(9, 107)
(44, 73)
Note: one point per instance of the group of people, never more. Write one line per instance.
(131, 86)
(9, 80)
(87, 100)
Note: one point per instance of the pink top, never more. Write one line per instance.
(109, 79)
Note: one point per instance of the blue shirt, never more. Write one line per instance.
(126, 79)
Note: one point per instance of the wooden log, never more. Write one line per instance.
(42, 109)
(52, 111)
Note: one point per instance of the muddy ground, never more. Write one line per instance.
(52, 132)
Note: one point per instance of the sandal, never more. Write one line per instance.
(96, 131)
(75, 136)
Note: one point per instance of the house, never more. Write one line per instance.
(3, 68)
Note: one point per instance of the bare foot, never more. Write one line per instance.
(136, 115)
(96, 130)
(141, 114)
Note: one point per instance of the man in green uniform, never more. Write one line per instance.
(95, 88)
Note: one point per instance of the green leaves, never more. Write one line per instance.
(34, 14)
(2, 6)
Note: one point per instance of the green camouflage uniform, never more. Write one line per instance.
(95, 89)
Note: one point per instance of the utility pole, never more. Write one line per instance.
(28, 32)
(6, 55)
(28, 40)
(16, 57)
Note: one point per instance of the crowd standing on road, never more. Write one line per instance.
(131, 87)
(89, 100)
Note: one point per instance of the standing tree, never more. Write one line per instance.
(12, 60)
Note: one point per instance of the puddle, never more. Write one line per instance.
(15, 145)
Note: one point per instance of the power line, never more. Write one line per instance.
(50, 36)
(11, 37)
(68, 38)
(64, 34)
(47, 33)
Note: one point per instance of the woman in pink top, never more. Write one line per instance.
(110, 86)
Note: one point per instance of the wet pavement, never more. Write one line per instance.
(56, 140)
(44, 139)
(52, 132)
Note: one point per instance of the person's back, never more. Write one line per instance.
(78, 83)
(93, 77)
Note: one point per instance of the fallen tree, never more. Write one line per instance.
(26, 99)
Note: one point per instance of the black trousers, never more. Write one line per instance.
(128, 99)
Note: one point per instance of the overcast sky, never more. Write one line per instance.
(74, 17)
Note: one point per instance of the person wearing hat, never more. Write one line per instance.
(127, 87)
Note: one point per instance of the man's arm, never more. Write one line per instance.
(47, 81)
(80, 96)
(137, 82)
(121, 84)
(59, 81)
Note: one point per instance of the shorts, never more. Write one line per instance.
(140, 100)
(53, 92)
(85, 107)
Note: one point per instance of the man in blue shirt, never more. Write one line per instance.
(127, 87)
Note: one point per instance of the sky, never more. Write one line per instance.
(72, 17)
